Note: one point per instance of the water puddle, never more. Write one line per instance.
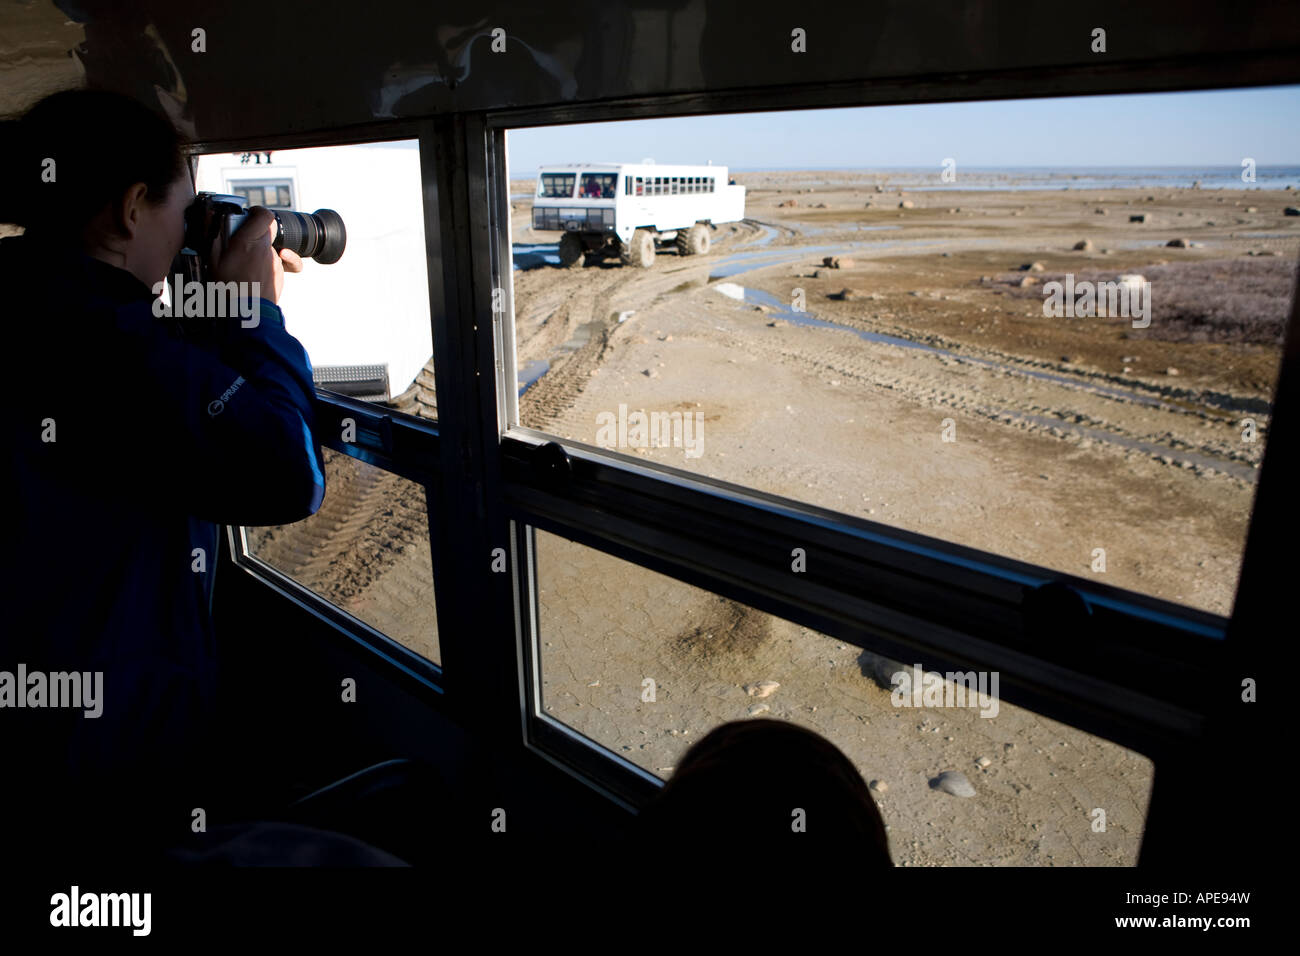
(782, 311)
(531, 257)
(769, 233)
(739, 262)
(581, 336)
(844, 227)
(530, 372)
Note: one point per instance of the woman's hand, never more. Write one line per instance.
(251, 258)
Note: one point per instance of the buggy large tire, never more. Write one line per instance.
(693, 241)
(640, 249)
(571, 251)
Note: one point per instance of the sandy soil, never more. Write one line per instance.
(1114, 452)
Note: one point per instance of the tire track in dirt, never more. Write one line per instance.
(572, 324)
(366, 521)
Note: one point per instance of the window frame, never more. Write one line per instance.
(1179, 652)
(406, 445)
(489, 483)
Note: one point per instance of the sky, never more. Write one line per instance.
(1216, 128)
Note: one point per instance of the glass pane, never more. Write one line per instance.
(607, 627)
(556, 185)
(366, 551)
(597, 185)
(1067, 358)
(381, 354)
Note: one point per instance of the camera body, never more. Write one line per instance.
(319, 235)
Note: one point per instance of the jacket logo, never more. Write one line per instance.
(218, 405)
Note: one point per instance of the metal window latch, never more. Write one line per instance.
(551, 466)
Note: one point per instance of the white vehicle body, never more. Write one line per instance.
(364, 320)
(662, 199)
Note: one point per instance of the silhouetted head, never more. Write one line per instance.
(100, 172)
(767, 784)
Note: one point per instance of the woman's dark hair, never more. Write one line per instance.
(101, 143)
(743, 782)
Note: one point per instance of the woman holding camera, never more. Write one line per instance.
(131, 443)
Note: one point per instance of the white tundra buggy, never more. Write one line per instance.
(624, 209)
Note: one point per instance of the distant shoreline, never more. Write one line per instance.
(1025, 178)
(1055, 177)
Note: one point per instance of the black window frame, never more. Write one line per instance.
(1146, 679)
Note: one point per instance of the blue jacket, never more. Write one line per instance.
(161, 431)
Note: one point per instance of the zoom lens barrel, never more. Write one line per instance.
(319, 235)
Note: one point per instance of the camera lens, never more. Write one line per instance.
(318, 235)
